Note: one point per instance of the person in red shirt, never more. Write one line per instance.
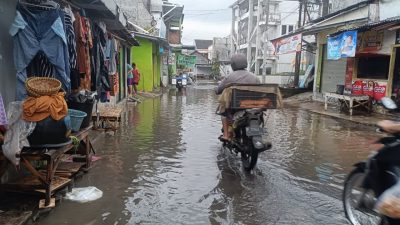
(136, 77)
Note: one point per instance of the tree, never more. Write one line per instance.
(216, 65)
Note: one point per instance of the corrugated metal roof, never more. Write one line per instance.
(380, 25)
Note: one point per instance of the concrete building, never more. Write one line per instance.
(203, 66)
(202, 46)
(219, 54)
(256, 22)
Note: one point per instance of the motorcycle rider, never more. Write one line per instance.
(239, 76)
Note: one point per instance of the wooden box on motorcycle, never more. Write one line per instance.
(263, 96)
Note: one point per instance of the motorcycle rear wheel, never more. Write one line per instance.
(249, 159)
(358, 202)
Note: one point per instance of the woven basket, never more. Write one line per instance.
(41, 86)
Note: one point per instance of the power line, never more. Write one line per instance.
(206, 10)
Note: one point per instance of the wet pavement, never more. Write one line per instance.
(166, 166)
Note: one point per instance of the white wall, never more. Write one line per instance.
(389, 8)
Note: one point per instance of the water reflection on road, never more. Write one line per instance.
(166, 166)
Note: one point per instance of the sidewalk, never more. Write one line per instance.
(304, 101)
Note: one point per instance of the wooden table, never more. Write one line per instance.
(52, 156)
(109, 119)
(350, 101)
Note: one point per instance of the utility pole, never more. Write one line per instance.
(264, 74)
(258, 38)
(298, 51)
(249, 32)
(233, 31)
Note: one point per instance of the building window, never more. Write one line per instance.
(291, 28)
(284, 29)
(373, 67)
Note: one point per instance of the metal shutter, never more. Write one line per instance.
(333, 73)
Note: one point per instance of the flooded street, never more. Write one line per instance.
(166, 166)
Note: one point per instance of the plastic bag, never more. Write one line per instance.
(389, 202)
(17, 132)
(86, 194)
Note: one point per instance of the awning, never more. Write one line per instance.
(160, 40)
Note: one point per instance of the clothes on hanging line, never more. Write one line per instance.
(71, 39)
(35, 31)
(3, 115)
(84, 43)
(40, 66)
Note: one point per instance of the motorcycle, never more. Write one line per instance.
(370, 179)
(247, 127)
(179, 84)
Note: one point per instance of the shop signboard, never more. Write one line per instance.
(371, 41)
(342, 46)
(287, 45)
(186, 60)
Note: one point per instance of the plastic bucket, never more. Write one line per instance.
(86, 107)
(339, 89)
(77, 118)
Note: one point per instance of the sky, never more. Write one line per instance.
(205, 19)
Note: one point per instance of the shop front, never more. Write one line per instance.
(359, 61)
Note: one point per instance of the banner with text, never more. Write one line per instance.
(287, 45)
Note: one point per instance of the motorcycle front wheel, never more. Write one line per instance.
(359, 202)
(249, 158)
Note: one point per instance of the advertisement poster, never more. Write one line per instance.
(371, 41)
(287, 45)
(342, 46)
(349, 74)
(379, 90)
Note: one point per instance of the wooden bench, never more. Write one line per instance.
(45, 181)
(350, 102)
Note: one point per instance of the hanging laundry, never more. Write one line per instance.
(101, 81)
(40, 66)
(112, 52)
(3, 115)
(71, 41)
(83, 45)
(35, 31)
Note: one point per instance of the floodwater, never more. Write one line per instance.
(166, 166)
